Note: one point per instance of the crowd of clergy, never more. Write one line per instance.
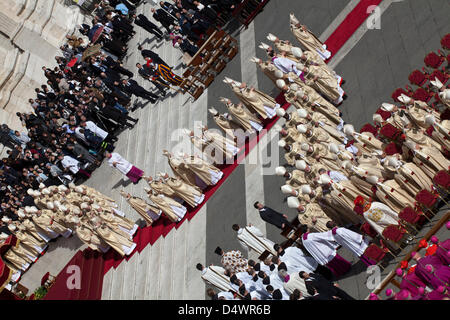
(337, 179)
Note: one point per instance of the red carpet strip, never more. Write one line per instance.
(350, 24)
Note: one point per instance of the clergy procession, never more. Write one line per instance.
(369, 194)
(337, 179)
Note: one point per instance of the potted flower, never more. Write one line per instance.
(40, 293)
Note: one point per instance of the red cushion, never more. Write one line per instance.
(374, 252)
(367, 229)
(433, 60)
(438, 74)
(397, 93)
(426, 198)
(390, 132)
(392, 148)
(369, 128)
(442, 179)
(422, 95)
(393, 233)
(384, 114)
(445, 42)
(409, 215)
(45, 278)
(418, 78)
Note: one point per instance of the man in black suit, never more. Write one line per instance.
(150, 27)
(152, 55)
(163, 18)
(132, 87)
(271, 216)
(116, 115)
(116, 66)
(324, 287)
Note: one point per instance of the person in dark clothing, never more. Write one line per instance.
(117, 115)
(323, 286)
(5, 138)
(271, 216)
(116, 66)
(82, 154)
(149, 26)
(187, 47)
(152, 55)
(132, 87)
(163, 18)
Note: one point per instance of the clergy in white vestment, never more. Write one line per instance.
(296, 260)
(95, 129)
(70, 163)
(126, 168)
(252, 238)
(226, 295)
(354, 242)
(295, 282)
(215, 276)
(377, 214)
(323, 247)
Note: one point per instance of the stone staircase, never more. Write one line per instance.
(166, 269)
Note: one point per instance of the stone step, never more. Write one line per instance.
(166, 267)
(179, 261)
(153, 270)
(129, 277)
(107, 284)
(194, 287)
(118, 282)
(140, 283)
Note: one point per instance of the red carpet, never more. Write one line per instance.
(350, 24)
(91, 278)
(149, 235)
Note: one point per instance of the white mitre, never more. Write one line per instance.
(302, 113)
(280, 83)
(293, 202)
(387, 106)
(377, 118)
(300, 164)
(286, 189)
(306, 189)
(297, 52)
(302, 129)
(280, 112)
(280, 171)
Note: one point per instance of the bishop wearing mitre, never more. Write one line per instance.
(171, 208)
(149, 212)
(176, 163)
(308, 39)
(254, 99)
(226, 123)
(192, 195)
(250, 237)
(248, 121)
